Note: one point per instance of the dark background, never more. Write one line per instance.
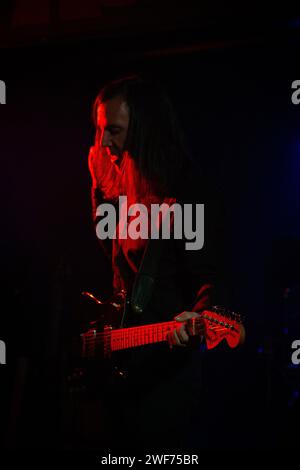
(230, 80)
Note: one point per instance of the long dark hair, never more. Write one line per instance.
(155, 138)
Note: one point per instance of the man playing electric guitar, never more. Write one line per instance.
(139, 152)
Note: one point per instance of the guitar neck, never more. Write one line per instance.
(125, 338)
(214, 325)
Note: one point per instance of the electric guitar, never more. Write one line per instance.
(213, 326)
(97, 347)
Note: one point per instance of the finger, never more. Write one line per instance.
(184, 316)
(178, 339)
(171, 340)
(175, 338)
(182, 334)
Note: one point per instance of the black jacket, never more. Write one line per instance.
(183, 279)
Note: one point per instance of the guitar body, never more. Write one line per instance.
(96, 373)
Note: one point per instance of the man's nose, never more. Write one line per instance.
(106, 139)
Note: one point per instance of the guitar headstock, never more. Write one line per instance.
(220, 324)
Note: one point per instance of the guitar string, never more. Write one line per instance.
(137, 330)
(127, 333)
(92, 339)
(90, 348)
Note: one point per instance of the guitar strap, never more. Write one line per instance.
(145, 279)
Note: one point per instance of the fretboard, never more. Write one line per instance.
(125, 338)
